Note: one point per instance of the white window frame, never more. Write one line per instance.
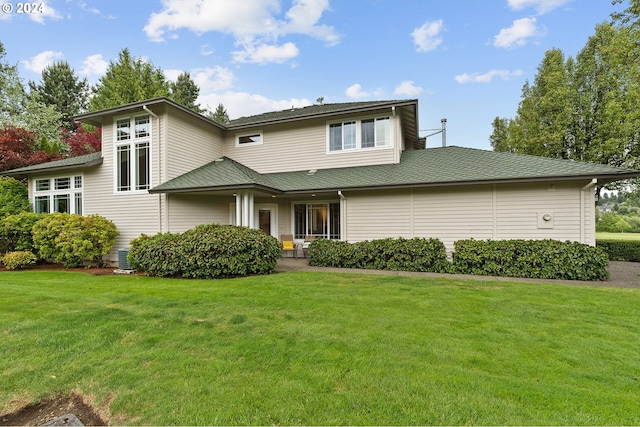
(306, 204)
(388, 143)
(239, 136)
(73, 193)
(134, 144)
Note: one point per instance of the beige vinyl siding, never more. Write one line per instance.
(300, 146)
(186, 211)
(372, 215)
(191, 143)
(480, 212)
(518, 207)
(453, 213)
(132, 214)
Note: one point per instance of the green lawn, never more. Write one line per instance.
(314, 348)
(618, 236)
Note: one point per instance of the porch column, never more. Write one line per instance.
(245, 208)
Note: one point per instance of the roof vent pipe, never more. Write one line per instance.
(444, 132)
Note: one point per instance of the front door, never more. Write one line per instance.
(266, 218)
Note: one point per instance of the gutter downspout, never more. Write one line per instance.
(591, 184)
(159, 159)
(343, 216)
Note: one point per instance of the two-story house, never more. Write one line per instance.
(351, 171)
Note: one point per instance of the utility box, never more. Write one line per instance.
(123, 263)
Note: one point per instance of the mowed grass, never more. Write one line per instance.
(618, 236)
(323, 349)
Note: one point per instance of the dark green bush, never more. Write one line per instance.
(620, 250)
(15, 231)
(399, 254)
(14, 196)
(544, 259)
(206, 252)
(73, 239)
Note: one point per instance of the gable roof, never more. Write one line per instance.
(447, 166)
(77, 162)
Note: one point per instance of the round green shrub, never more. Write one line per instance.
(14, 196)
(15, 231)
(18, 260)
(73, 239)
(206, 252)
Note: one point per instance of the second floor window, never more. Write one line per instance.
(360, 134)
(133, 154)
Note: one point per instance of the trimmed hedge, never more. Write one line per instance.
(620, 250)
(417, 254)
(544, 259)
(206, 252)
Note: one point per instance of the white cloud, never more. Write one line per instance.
(355, 91)
(255, 24)
(206, 50)
(241, 104)
(541, 6)
(214, 79)
(42, 60)
(94, 65)
(266, 53)
(46, 11)
(427, 37)
(487, 77)
(407, 88)
(517, 34)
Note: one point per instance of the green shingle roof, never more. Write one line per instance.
(431, 167)
(313, 111)
(68, 163)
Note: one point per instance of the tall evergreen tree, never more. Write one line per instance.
(62, 89)
(219, 115)
(185, 92)
(128, 80)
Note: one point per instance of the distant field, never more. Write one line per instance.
(618, 236)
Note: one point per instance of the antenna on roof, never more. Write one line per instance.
(320, 100)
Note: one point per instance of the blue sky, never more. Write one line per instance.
(464, 60)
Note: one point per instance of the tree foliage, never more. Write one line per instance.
(185, 92)
(63, 90)
(128, 80)
(219, 115)
(12, 94)
(85, 139)
(584, 108)
(19, 148)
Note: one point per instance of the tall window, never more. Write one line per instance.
(60, 194)
(360, 134)
(133, 154)
(317, 219)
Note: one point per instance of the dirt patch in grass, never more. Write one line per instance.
(54, 407)
(97, 271)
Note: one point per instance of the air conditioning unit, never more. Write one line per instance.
(123, 263)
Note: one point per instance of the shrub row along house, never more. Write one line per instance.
(349, 171)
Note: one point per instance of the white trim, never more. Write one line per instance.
(358, 124)
(132, 142)
(52, 192)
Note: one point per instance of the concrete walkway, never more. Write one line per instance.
(623, 274)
